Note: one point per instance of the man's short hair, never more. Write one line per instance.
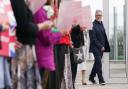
(98, 11)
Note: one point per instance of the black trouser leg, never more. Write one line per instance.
(98, 55)
(97, 67)
(93, 72)
(55, 78)
(74, 69)
(74, 72)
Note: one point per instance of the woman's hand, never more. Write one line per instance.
(18, 45)
(46, 25)
(83, 28)
(63, 32)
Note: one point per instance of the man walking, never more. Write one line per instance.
(98, 45)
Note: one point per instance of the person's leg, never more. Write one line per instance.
(60, 55)
(99, 73)
(67, 80)
(74, 72)
(7, 75)
(20, 80)
(98, 65)
(56, 76)
(44, 77)
(73, 68)
(1, 73)
(84, 77)
(93, 73)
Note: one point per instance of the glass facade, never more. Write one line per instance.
(116, 29)
(117, 39)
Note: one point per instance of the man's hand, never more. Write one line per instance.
(102, 49)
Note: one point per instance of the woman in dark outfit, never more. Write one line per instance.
(77, 37)
(26, 32)
(59, 79)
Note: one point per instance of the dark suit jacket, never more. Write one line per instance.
(98, 37)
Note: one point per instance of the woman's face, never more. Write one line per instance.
(27, 2)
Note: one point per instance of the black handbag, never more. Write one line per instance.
(78, 55)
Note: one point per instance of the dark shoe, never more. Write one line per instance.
(92, 80)
(102, 83)
(84, 83)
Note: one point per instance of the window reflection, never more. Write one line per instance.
(116, 29)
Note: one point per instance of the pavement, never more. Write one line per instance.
(97, 86)
(107, 86)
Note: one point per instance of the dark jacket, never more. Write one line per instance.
(98, 37)
(77, 37)
(26, 30)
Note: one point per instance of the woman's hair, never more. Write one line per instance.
(49, 2)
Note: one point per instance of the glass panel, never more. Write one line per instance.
(117, 38)
(126, 27)
(116, 29)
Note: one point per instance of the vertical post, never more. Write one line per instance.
(124, 41)
(106, 24)
(126, 28)
(115, 35)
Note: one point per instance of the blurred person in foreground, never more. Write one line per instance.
(24, 72)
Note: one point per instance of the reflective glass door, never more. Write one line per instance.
(117, 39)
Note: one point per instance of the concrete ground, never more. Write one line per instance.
(119, 69)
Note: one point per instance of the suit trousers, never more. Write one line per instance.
(97, 66)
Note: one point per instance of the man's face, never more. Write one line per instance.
(98, 16)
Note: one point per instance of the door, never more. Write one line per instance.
(116, 65)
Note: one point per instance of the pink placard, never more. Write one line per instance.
(87, 17)
(66, 11)
(77, 17)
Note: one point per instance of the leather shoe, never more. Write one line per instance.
(102, 83)
(92, 80)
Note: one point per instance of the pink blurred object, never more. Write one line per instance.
(36, 4)
(77, 17)
(66, 12)
(82, 16)
(71, 12)
(87, 17)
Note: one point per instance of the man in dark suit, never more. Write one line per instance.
(98, 45)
